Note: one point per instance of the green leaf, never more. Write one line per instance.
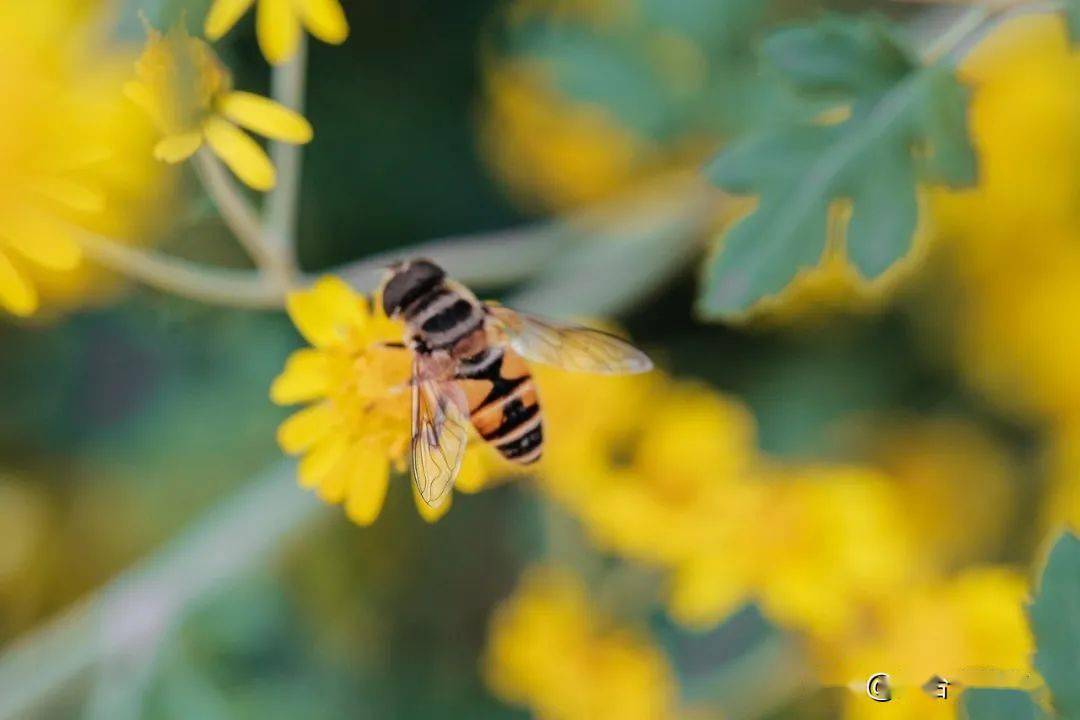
(907, 124)
(839, 56)
(1055, 620)
(998, 704)
(1071, 10)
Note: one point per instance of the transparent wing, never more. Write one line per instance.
(440, 432)
(571, 347)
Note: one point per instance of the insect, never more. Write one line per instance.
(468, 368)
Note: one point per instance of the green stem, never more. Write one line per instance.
(959, 31)
(239, 216)
(217, 286)
(137, 607)
(283, 204)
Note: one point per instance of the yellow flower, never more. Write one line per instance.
(278, 23)
(938, 465)
(958, 629)
(666, 473)
(69, 152)
(356, 426)
(1013, 241)
(814, 547)
(550, 152)
(652, 475)
(188, 92)
(552, 652)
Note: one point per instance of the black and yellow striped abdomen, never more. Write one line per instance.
(442, 317)
(503, 403)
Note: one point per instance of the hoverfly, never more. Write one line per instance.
(468, 368)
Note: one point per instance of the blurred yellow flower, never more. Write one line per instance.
(938, 465)
(814, 547)
(970, 630)
(1013, 242)
(357, 423)
(551, 651)
(650, 473)
(552, 153)
(185, 89)
(277, 23)
(666, 473)
(70, 153)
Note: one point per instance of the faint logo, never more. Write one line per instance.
(937, 687)
(877, 687)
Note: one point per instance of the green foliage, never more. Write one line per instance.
(998, 704)
(1071, 10)
(666, 70)
(1055, 620)
(907, 124)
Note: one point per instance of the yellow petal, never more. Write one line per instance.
(17, 295)
(324, 313)
(223, 15)
(142, 96)
(304, 428)
(242, 154)
(45, 242)
(73, 195)
(333, 486)
(177, 148)
(369, 476)
(473, 476)
(278, 30)
(431, 513)
(304, 378)
(325, 20)
(266, 117)
(323, 458)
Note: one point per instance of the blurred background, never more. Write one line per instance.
(851, 478)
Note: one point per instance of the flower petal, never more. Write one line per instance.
(45, 242)
(304, 378)
(432, 514)
(175, 149)
(324, 312)
(266, 117)
(321, 460)
(278, 30)
(369, 477)
(303, 429)
(71, 195)
(325, 20)
(145, 99)
(223, 15)
(473, 476)
(242, 154)
(17, 295)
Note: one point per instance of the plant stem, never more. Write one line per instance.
(236, 288)
(141, 604)
(481, 260)
(954, 36)
(282, 206)
(239, 216)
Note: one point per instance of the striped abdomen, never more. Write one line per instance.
(503, 403)
(443, 316)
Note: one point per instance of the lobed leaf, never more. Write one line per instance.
(1055, 621)
(907, 123)
(998, 704)
(1071, 10)
(839, 56)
